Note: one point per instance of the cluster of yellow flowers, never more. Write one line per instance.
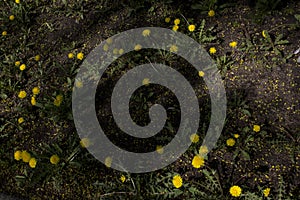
(22, 94)
(118, 51)
(176, 24)
(175, 27)
(22, 67)
(79, 56)
(231, 141)
(106, 45)
(35, 91)
(25, 157)
(198, 160)
(58, 100)
(236, 191)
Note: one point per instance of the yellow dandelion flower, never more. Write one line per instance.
(105, 47)
(25, 156)
(22, 67)
(194, 138)
(256, 128)
(37, 58)
(80, 56)
(230, 142)
(21, 120)
(203, 150)
(58, 100)
(212, 50)
(17, 1)
(173, 48)
(211, 13)
(266, 192)
(175, 28)
(236, 136)
(121, 51)
(137, 47)
(233, 44)
(36, 90)
(109, 41)
(17, 63)
(108, 161)
(18, 155)
(201, 73)
(191, 27)
(167, 19)
(264, 33)
(146, 32)
(54, 159)
(115, 51)
(12, 17)
(59, 97)
(78, 84)
(177, 21)
(177, 181)
(159, 149)
(32, 162)
(22, 94)
(71, 55)
(235, 191)
(198, 161)
(4, 33)
(146, 81)
(85, 142)
(33, 101)
(123, 178)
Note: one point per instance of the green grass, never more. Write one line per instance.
(259, 73)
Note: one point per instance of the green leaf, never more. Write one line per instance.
(245, 155)
(281, 42)
(246, 129)
(3, 96)
(246, 112)
(297, 16)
